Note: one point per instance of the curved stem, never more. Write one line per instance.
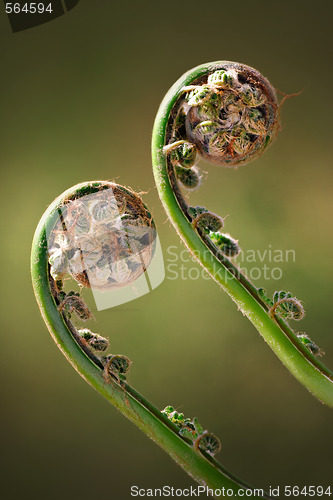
(199, 465)
(307, 369)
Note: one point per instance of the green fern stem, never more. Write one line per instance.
(201, 466)
(306, 368)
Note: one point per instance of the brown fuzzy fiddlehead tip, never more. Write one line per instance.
(231, 115)
(103, 240)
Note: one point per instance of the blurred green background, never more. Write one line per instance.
(78, 101)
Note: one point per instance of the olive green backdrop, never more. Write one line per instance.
(78, 101)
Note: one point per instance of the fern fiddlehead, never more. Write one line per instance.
(228, 113)
(87, 242)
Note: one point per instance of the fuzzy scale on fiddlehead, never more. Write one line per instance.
(82, 240)
(230, 113)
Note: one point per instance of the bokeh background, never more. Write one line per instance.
(78, 100)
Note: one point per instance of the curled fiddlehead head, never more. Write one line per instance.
(227, 113)
(116, 365)
(100, 239)
(230, 114)
(287, 306)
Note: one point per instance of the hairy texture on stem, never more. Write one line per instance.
(171, 125)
